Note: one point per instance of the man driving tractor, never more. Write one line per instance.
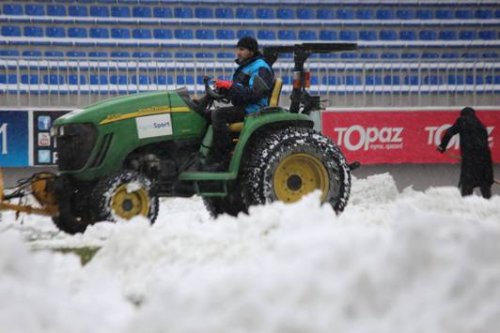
(248, 92)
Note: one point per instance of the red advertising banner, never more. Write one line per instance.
(401, 136)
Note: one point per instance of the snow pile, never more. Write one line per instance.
(392, 262)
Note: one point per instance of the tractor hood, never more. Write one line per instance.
(124, 107)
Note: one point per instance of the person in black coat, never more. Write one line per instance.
(476, 167)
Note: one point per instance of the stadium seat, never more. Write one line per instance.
(490, 79)
(285, 13)
(204, 55)
(488, 34)
(99, 11)
(448, 35)
(53, 79)
(121, 33)
(388, 35)
(141, 12)
(305, 14)
(490, 54)
(266, 34)
(204, 12)
(162, 34)
(412, 80)
(56, 10)
(74, 79)
(392, 80)
(244, 13)
(245, 32)
(98, 79)
(162, 54)
(424, 14)
(184, 55)
(141, 34)
(11, 31)
(409, 55)
(34, 10)
(364, 14)
(264, 13)
(429, 55)
(77, 32)
(225, 34)
(368, 35)
(353, 80)
(348, 55)
(79, 11)
(141, 79)
(205, 34)
(455, 79)
(287, 35)
(141, 54)
(120, 11)
(183, 34)
(183, 12)
(373, 79)
(76, 54)
(54, 54)
(325, 14)
(389, 55)
(225, 55)
(328, 35)
(405, 14)
(31, 31)
(369, 55)
(29, 79)
(12, 9)
(345, 14)
(162, 12)
(384, 14)
(225, 13)
(407, 35)
(9, 53)
(483, 14)
(464, 14)
(181, 79)
(9, 78)
(427, 35)
(56, 32)
(98, 54)
(163, 79)
(467, 35)
(32, 53)
(120, 54)
(449, 55)
(119, 79)
(471, 79)
(444, 14)
(99, 33)
(348, 35)
(470, 55)
(307, 35)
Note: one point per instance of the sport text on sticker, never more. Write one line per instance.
(152, 126)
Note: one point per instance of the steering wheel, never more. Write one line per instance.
(212, 93)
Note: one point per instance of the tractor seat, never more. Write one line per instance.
(273, 102)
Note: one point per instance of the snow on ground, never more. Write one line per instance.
(392, 262)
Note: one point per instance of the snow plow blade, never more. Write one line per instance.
(37, 185)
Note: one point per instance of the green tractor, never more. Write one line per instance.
(118, 156)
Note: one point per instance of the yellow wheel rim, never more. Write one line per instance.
(298, 175)
(129, 204)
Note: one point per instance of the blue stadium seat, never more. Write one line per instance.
(328, 35)
(34, 10)
(245, 32)
(368, 35)
(413, 80)
(488, 34)
(455, 79)
(120, 11)
(464, 14)
(204, 55)
(188, 79)
(163, 80)
(99, 33)
(429, 55)
(244, 13)
(353, 80)
(162, 12)
(54, 54)
(77, 32)
(162, 34)
(373, 79)
(184, 55)
(56, 10)
(470, 55)
(183, 12)
(407, 35)
(162, 54)
(444, 14)
(99, 11)
(424, 14)
(53, 79)
(405, 14)
(389, 55)
(79, 11)
(75, 80)
(32, 53)
(384, 14)
(12, 9)
(348, 35)
(98, 79)
(388, 35)
(10, 78)
(29, 79)
(345, 14)
(449, 55)
(285, 13)
(467, 35)
(490, 54)
(31, 31)
(98, 54)
(325, 14)
(409, 55)
(266, 34)
(205, 34)
(305, 14)
(141, 12)
(120, 54)
(183, 33)
(448, 35)
(204, 12)
(225, 55)
(76, 54)
(471, 79)
(307, 35)
(141, 54)
(484, 14)
(497, 13)
(392, 80)
(141, 34)
(141, 80)
(348, 55)
(490, 79)
(121, 33)
(56, 32)
(427, 35)
(364, 14)
(264, 13)
(225, 13)
(119, 79)
(11, 31)
(369, 55)
(9, 53)
(287, 35)
(331, 80)
(225, 34)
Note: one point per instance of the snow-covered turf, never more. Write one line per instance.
(392, 262)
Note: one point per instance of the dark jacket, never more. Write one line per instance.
(252, 84)
(476, 168)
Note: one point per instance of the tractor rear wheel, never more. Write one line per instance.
(124, 195)
(288, 163)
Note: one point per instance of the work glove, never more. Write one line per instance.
(440, 149)
(223, 84)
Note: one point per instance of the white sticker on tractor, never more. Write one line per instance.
(151, 126)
